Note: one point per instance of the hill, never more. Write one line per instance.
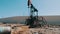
(20, 19)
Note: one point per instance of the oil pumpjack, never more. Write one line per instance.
(33, 20)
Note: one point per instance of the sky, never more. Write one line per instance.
(10, 8)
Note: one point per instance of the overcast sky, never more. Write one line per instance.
(10, 8)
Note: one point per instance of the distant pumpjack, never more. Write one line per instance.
(33, 20)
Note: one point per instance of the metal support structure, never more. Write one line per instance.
(33, 20)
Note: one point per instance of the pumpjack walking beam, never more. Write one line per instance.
(33, 10)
